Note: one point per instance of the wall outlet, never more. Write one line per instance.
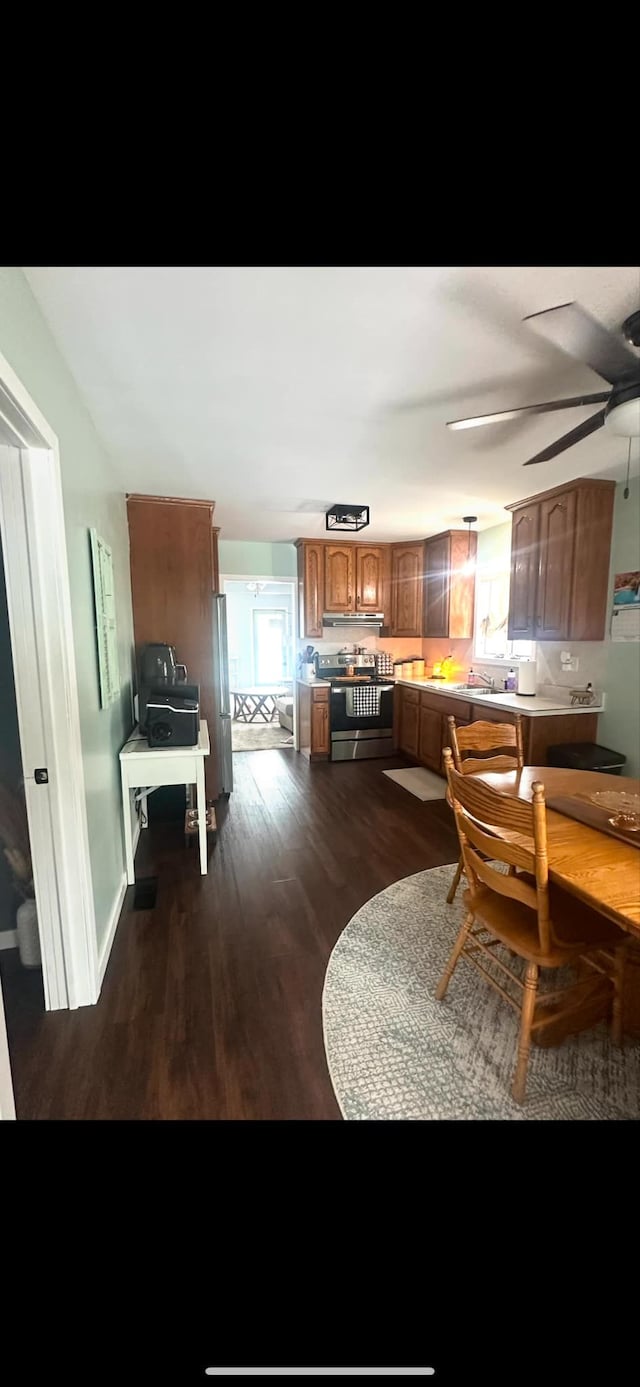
(572, 663)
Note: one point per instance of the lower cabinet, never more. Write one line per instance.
(320, 742)
(422, 727)
(409, 720)
(430, 743)
(313, 720)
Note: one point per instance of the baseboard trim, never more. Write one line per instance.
(8, 939)
(116, 912)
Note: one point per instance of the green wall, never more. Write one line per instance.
(494, 544)
(257, 558)
(619, 725)
(92, 496)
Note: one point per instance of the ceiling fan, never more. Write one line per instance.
(574, 331)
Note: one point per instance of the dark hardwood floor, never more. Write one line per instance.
(211, 1005)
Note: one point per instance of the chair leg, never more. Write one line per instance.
(524, 1041)
(619, 966)
(454, 884)
(455, 954)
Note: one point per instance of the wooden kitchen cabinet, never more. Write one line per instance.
(407, 565)
(555, 538)
(560, 552)
(409, 722)
(449, 584)
(430, 741)
(370, 596)
(339, 587)
(313, 720)
(320, 741)
(423, 729)
(525, 528)
(311, 587)
(173, 554)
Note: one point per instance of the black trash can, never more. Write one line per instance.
(586, 756)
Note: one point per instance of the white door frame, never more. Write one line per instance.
(291, 583)
(39, 601)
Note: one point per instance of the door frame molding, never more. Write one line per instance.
(33, 501)
(292, 585)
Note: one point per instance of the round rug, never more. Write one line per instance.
(394, 1052)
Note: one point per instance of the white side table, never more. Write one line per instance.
(142, 766)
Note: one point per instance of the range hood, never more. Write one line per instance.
(371, 621)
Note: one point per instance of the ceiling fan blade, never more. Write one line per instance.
(574, 331)
(528, 409)
(583, 430)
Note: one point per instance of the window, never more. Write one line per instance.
(271, 645)
(491, 641)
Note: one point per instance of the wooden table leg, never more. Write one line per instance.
(202, 814)
(126, 817)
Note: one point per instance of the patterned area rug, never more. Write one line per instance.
(252, 736)
(394, 1052)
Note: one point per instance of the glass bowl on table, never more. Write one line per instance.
(623, 808)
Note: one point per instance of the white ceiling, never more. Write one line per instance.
(276, 392)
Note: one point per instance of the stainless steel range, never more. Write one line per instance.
(361, 707)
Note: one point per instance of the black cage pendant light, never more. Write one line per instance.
(347, 517)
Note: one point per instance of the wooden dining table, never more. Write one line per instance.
(602, 871)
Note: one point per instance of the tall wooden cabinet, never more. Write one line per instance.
(560, 551)
(173, 555)
(407, 564)
(449, 584)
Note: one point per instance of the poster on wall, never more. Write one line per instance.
(625, 621)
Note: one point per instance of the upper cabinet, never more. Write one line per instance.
(560, 551)
(311, 586)
(407, 564)
(340, 578)
(370, 594)
(339, 587)
(449, 584)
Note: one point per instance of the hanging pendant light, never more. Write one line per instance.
(469, 566)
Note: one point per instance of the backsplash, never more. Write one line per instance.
(355, 635)
(591, 656)
(592, 659)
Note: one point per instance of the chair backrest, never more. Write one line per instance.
(485, 737)
(478, 809)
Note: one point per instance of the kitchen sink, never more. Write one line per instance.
(479, 689)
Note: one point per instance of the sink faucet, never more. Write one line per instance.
(477, 674)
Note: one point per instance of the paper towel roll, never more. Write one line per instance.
(527, 677)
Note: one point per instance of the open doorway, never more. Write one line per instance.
(42, 688)
(20, 956)
(261, 650)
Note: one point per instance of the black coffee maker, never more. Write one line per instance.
(157, 670)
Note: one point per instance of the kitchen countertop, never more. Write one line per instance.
(535, 706)
(314, 683)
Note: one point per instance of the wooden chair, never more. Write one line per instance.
(483, 737)
(541, 924)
